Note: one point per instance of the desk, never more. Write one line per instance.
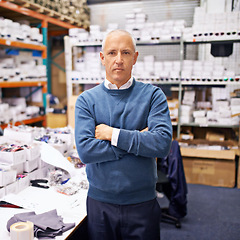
(71, 208)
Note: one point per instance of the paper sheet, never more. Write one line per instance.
(52, 156)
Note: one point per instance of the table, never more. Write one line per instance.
(71, 208)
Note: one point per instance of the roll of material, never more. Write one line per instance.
(22, 231)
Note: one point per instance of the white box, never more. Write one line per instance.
(68, 138)
(19, 168)
(11, 188)
(186, 119)
(13, 158)
(32, 152)
(23, 183)
(32, 175)
(30, 165)
(7, 177)
(200, 120)
(199, 113)
(186, 109)
(26, 136)
(2, 192)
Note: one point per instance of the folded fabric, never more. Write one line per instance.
(46, 225)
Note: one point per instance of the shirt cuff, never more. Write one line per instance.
(115, 135)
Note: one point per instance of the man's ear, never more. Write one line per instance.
(135, 57)
(102, 58)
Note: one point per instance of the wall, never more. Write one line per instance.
(157, 10)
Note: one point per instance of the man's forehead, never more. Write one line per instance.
(123, 44)
(118, 47)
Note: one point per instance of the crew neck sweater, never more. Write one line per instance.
(126, 173)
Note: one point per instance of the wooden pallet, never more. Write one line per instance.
(51, 13)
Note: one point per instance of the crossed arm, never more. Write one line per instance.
(104, 132)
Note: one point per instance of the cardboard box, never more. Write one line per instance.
(209, 167)
(209, 172)
(56, 120)
(211, 136)
(71, 111)
(206, 154)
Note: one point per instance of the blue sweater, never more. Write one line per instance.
(125, 174)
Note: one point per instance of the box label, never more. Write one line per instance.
(203, 167)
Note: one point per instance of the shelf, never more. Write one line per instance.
(155, 80)
(50, 16)
(210, 83)
(42, 84)
(28, 121)
(209, 125)
(213, 41)
(177, 81)
(152, 81)
(138, 43)
(157, 42)
(22, 45)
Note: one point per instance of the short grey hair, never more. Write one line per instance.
(120, 31)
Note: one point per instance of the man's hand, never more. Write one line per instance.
(144, 130)
(103, 132)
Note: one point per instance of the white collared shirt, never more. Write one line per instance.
(126, 85)
(110, 85)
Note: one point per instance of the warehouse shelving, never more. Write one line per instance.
(227, 128)
(28, 121)
(41, 84)
(16, 44)
(181, 84)
(48, 21)
(68, 57)
(58, 20)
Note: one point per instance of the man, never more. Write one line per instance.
(121, 126)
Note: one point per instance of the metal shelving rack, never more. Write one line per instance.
(45, 22)
(212, 83)
(153, 80)
(41, 84)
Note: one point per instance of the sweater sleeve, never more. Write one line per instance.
(155, 142)
(90, 149)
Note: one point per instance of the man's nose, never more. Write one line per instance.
(119, 58)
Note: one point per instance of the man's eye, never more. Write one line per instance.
(126, 53)
(111, 53)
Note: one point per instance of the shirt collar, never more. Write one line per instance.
(126, 85)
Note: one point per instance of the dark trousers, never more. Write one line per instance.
(123, 222)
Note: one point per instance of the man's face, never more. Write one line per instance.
(118, 57)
